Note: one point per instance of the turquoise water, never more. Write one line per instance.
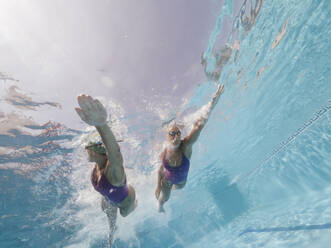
(261, 171)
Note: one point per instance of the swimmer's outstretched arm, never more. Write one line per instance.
(200, 123)
(94, 113)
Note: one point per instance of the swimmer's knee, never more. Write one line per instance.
(131, 204)
(179, 186)
(165, 195)
(164, 200)
(124, 212)
(127, 210)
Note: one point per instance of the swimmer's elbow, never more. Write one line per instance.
(199, 124)
(124, 213)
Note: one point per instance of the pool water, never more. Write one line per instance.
(260, 173)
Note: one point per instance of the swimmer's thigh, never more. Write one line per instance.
(165, 189)
(129, 203)
(109, 208)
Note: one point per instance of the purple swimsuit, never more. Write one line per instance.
(111, 192)
(176, 174)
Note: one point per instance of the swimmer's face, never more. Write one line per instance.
(174, 136)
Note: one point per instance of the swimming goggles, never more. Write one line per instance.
(173, 133)
(96, 147)
(92, 144)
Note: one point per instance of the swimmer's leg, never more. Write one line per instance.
(129, 203)
(180, 185)
(111, 211)
(165, 193)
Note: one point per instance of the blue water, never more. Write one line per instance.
(261, 170)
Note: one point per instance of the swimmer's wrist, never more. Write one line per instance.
(202, 121)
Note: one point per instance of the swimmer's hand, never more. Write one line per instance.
(91, 111)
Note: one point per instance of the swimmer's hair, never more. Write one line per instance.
(166, 123)
(173, 123)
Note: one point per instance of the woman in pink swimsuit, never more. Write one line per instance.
(108, 176)
(176, 157)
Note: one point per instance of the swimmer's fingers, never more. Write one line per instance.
(84, 102)
(88, 104)
(99, 106)
(91, 110)
(157, 193)
(220, 89)
(81, 114)
(99, 112)
(88, 101)
(84, 116)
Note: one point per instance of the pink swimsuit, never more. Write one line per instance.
(176, 174)
(111, 192)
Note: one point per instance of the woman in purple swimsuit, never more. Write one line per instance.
(175, 158)
(108, 176)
